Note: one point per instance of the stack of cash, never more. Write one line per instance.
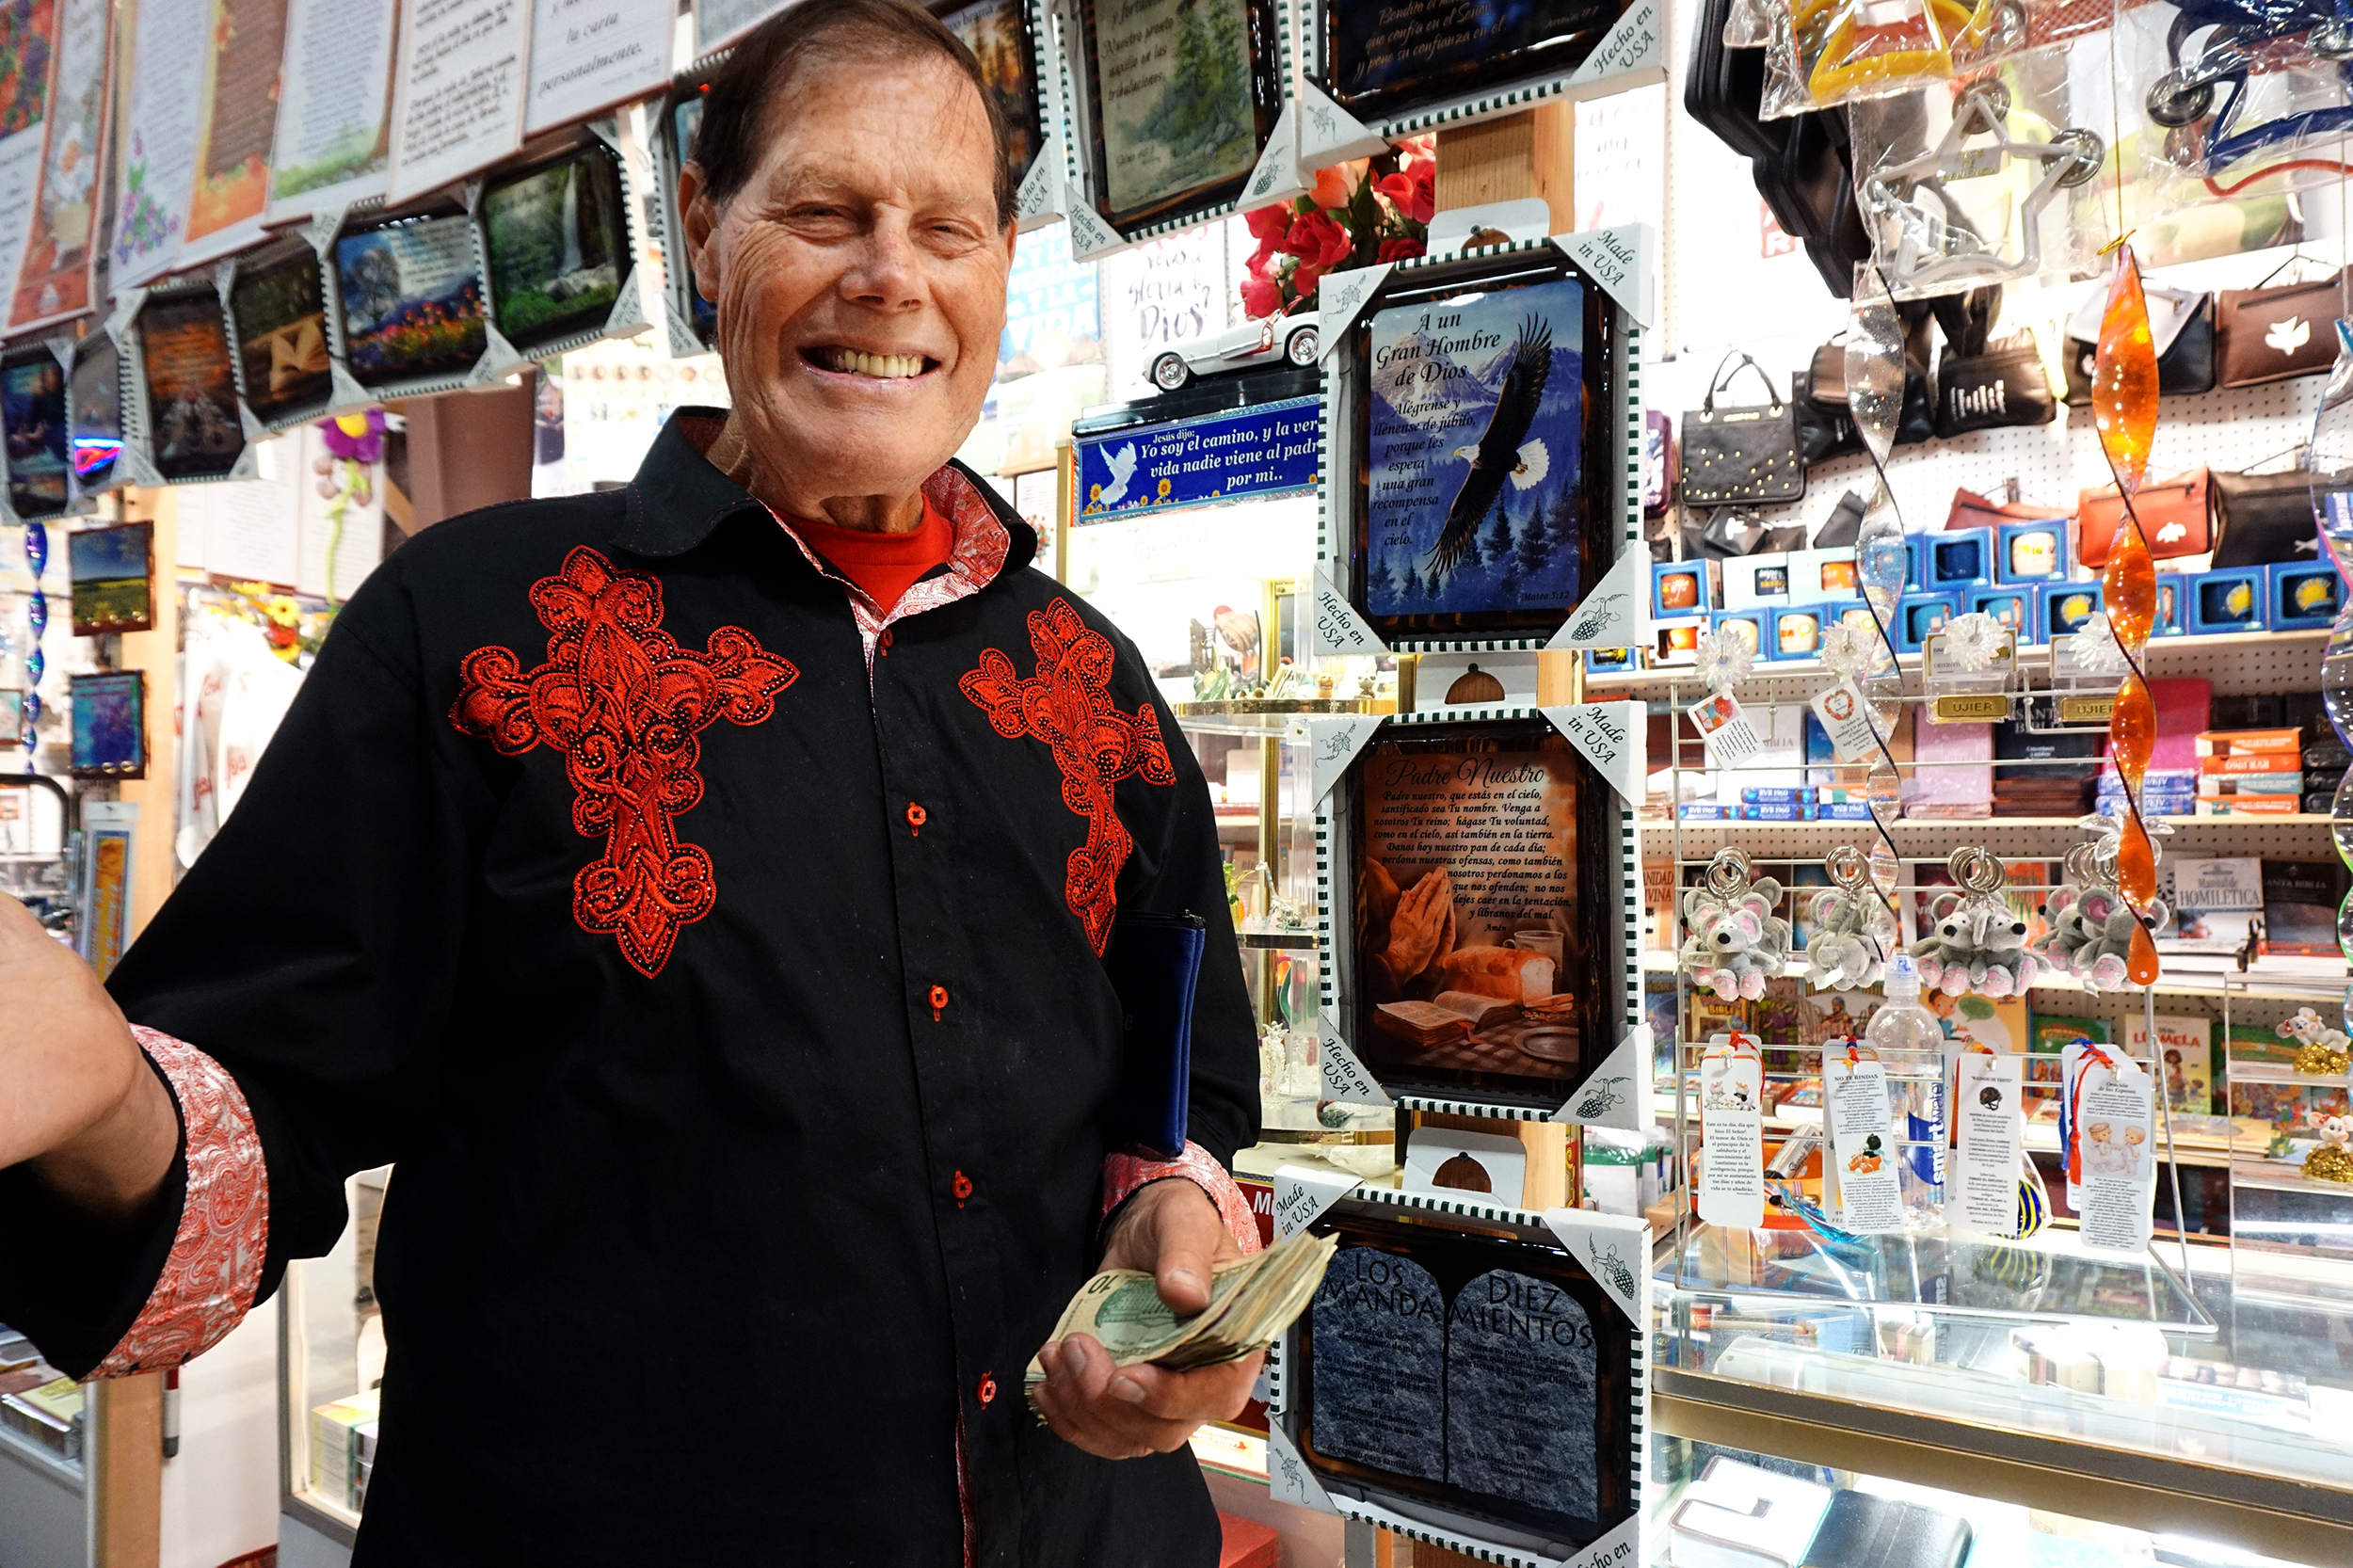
(1250, 1303)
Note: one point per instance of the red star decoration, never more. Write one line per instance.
(1068, 705)
(623, 703)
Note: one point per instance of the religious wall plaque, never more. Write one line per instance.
(193, 430)
(1180, 98)
(1481, 402)
(1386, 58)
(1482, 876)
(1536, 1427)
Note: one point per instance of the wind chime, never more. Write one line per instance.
(37, 615)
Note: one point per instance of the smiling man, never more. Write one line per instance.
(697, 892)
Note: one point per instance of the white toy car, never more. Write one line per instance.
(1277, 340)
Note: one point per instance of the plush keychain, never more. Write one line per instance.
(1853, 928)
(1733, 940)
(2091, 925)
(1978, 942)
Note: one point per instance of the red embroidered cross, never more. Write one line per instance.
(1068, 705)
(623, 703)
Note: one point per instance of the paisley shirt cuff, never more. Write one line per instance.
(1123, 1173)
(208, 1282)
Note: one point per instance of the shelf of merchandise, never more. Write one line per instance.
(67, 1472)
(2249, 988)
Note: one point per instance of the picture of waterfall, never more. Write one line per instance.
(558, 248)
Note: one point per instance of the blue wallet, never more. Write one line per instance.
(1155, 965)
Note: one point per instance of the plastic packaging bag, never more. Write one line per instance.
(1824, 53)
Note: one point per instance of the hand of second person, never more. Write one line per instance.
(1171, 1230)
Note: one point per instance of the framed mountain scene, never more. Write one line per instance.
(1479, 413)
(1180, 97)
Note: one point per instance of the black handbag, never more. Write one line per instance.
(2004, 386)
(2180, 324)
(1725, 88)
(1744, 455)
(2262, 518)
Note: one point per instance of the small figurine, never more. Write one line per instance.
(1279, 340)
(2325, 1052)
(2331, 1160)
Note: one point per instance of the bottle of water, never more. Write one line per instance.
(1909, 1041)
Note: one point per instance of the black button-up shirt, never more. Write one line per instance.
(720, 967)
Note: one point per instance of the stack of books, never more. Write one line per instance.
(2300, 924)
(2250, 773)
(342, 1448)
(2215, 903)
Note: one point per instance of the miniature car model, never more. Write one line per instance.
(1284, 338)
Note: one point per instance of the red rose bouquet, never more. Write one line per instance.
(1360, 212)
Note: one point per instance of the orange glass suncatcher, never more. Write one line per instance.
(2125, 404)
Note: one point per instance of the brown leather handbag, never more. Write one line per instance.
(2273, 334)
(2176, 514)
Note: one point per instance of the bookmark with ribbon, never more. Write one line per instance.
(2111, 1153)
(1860, 1120)
(1991, 1117)
(1732, 1132)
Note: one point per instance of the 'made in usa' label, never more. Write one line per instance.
(1519, 1394)
(1378, 1328)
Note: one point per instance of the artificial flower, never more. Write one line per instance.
(1401, 249)
(1268, 225)
(1413, 190)
(1305, 278)
(2093, 649)
(1261, 296)
(1318, 242)
(1336, 186)
(1724, 662)
(1974, 641)
(1847, 648)
(356, 437)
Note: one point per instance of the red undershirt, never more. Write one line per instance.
(886, 565)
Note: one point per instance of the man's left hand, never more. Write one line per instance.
(1171, 1230)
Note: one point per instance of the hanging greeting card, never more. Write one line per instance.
(2109, 1137)
(1177, 99)
(1863, 1141)
(997, 33)
(1482, 393)
(1483, 954)
(278, 320)
(33, 420)
(1732, 1132)
(1993, 1131)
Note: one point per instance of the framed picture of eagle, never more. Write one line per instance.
(1480, 399)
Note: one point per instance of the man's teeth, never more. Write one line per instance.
(888, 366)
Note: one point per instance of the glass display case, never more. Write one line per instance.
(330, 1366)
(46, 1423)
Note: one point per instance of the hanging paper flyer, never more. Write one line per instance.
(458, 105)
(170, 50)
(1731, 1133)
(1862, 1141)
(1993, 1129)
(2111, 1156)
(585, 58)
(333, 142)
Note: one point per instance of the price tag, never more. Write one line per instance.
(1862, 1141)
(1991, 1119)
(1846, 717)
(2111, 1152)
(1732, 1132)
(1732, 740)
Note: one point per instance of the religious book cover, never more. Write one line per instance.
(411, 296)
(1482, 959)
(193, 431)
(1180, 96)
(33, 419)
(278, 310)
(558, 242)
(1386, 58)
(1486, 1375)
(1481, 413)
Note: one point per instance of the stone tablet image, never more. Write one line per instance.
(1388, 57)
(1379, 1331)
(1517, 1344)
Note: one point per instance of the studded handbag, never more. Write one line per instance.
(1741, 454)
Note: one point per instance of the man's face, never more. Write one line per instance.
(860, 279)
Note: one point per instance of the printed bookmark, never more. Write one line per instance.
(2111, 1160)
(1862, 1139)
(1732, 1132)
(1992, 1127)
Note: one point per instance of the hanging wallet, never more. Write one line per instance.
(2181, 326)
(2274, 333)
(2000, 388)
(1154, 963)
(2262, 518)
(2176, 514)
(1745, 456)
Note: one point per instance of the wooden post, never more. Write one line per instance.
(467, 449)
(1531, 154)
(126, 1468)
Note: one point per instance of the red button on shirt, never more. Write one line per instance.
(988, 1389)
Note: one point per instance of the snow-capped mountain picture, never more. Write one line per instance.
(1476, 500)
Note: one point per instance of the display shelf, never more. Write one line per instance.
(2280, 1177)
(2264, 1072)
(67, 1472)
(2260, 989)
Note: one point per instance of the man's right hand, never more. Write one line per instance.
(77, 1094)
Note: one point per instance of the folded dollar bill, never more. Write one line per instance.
(1250, 1303)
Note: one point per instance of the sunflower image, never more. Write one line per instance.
(1164, 489)
(1866, 1160)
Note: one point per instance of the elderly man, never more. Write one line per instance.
(698, 892)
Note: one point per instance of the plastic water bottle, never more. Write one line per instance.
(1910, 1042)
